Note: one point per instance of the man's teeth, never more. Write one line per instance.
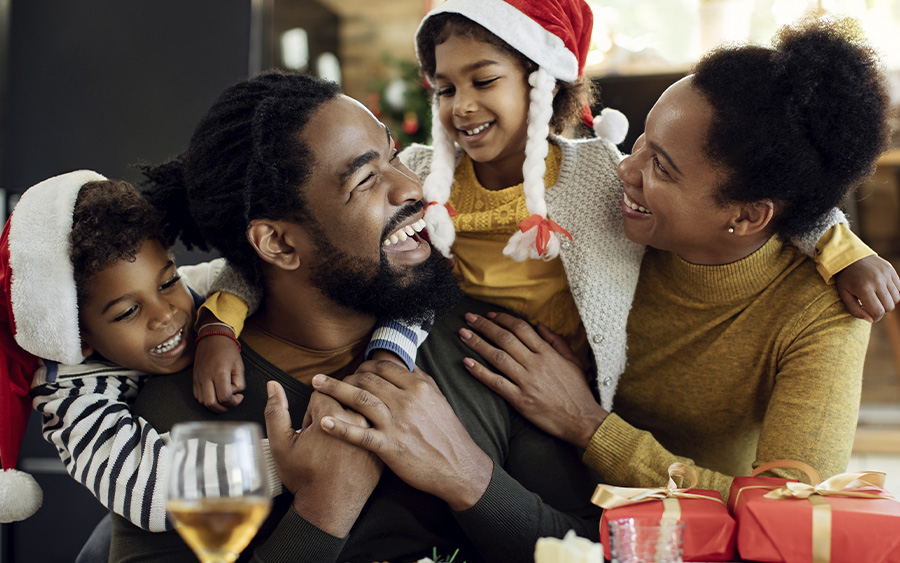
(636, 207)
(404, 233)
(170, 343)
(478, 129)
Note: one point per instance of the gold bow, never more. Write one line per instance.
(834, 486)
(821, 510)
(607, 496)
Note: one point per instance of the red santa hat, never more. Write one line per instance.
(40, 319)
(556, 35)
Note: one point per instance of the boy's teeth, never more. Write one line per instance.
(477, 130)
(170, 343)
(404, 233)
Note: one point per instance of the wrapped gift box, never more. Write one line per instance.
(708, 528)
(847, 518)
(709, 531)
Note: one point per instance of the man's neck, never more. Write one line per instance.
(311, 320)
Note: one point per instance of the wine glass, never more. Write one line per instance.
(218, 491)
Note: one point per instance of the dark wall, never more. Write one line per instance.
(102, 84)
(634, 96)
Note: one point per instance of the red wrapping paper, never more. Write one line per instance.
(781, 530)
(709, 531)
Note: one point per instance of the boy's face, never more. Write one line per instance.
(139, 315)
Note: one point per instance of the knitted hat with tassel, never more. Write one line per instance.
(40, 319)
(555, 35)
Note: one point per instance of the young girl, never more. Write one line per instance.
(503, 193)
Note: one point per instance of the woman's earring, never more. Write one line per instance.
(731, 230)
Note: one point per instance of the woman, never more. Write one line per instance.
(738, 354)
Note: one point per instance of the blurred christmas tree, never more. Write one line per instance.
(403, 103)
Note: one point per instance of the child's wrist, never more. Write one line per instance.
(228, 335)
(215, 326)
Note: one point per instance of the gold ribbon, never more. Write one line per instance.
(608, 496)
(815, 494)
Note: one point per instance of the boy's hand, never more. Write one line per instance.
(218, 373)
(380, 354)
(869, 288)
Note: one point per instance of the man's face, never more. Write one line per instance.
(363, 203)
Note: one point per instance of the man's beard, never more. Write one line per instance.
(416, 293)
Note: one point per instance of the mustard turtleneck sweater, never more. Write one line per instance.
(730, 367)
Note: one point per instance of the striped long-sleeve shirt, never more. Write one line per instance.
(121, 458)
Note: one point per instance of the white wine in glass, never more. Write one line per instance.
(218, 493)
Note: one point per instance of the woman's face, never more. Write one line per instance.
(670, 185)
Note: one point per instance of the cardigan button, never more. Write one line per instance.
(566, 244)
(597, 338)
(607, 381)
(576, 291)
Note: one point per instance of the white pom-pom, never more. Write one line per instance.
(20, 495)
(612, 125)
(441, 231)
(521, 246)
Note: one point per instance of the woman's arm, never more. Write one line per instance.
(811, 414)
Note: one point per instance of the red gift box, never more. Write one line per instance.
(709, 529)
(848, 517)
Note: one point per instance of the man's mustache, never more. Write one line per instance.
(401, 216)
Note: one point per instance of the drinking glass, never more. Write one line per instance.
(217, 493)
(646, 540)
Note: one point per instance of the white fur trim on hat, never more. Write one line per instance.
(520, 31)
(42, 289)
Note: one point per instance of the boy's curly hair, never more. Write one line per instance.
(110, 223)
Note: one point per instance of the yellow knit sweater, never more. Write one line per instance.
(730, 367)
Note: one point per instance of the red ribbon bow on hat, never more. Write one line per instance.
(544, 228)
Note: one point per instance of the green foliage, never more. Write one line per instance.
(403, 103)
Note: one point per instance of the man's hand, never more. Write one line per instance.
(414, 431)
(331, 480)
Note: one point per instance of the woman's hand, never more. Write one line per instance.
(543, 379)
(869, 288)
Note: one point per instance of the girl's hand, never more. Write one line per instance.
(542, 378)
(869, 288)
(218, 373)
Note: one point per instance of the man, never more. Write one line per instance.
(300, 188)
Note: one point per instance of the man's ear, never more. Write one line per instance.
(276, 242)
(753, 217)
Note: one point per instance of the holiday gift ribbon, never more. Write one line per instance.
(838, 485)
(607, 496)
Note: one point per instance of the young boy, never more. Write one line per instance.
(93, 292)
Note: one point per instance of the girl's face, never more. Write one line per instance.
(670, 185)
(483, 96)
(139, 315)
